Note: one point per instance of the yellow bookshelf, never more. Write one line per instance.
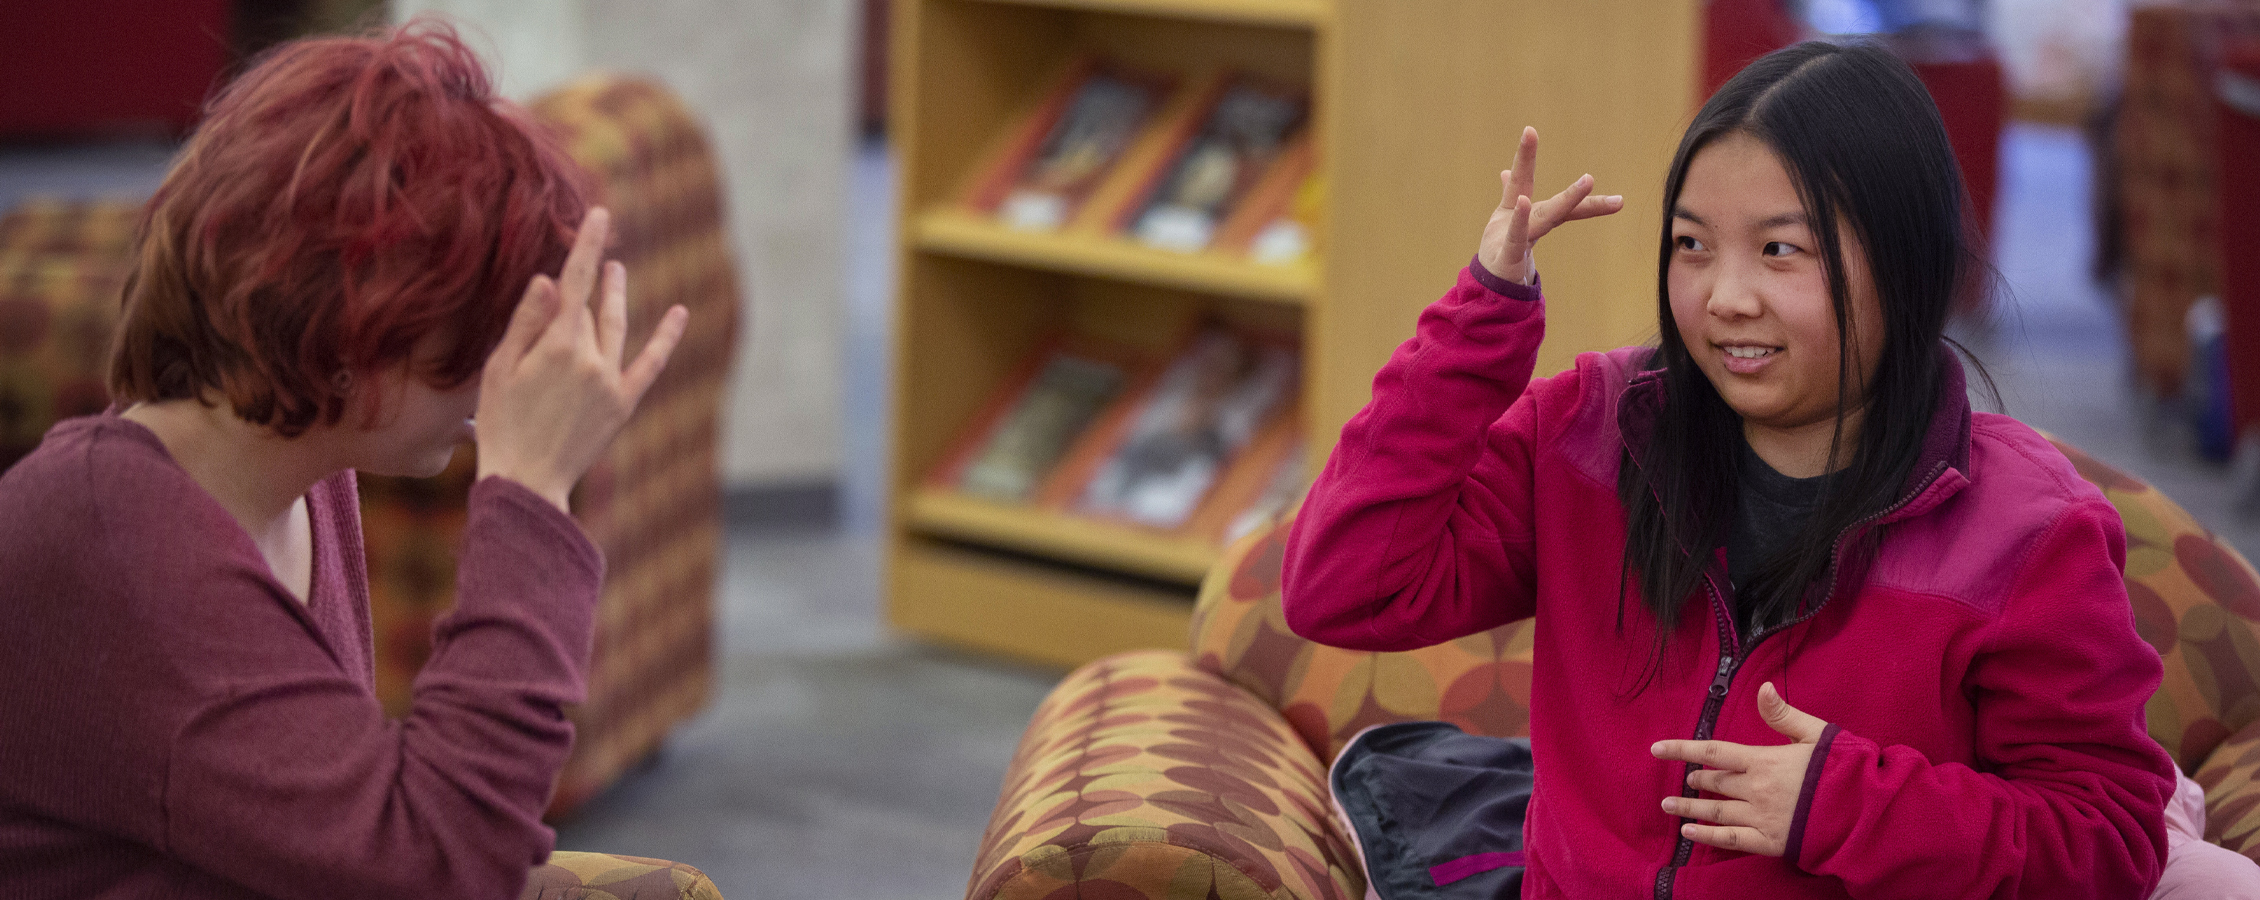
(1415, 105)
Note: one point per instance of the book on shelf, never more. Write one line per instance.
(1029, 425)
(1243, 128)
(1274, 224)
(1282, 486)
(1040, 177)
(1184, 432)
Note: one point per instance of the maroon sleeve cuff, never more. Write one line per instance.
(1510, 289)
(1795, 843)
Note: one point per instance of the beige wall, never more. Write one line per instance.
(775, 81)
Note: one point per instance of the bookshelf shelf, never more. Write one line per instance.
(957, 233)
(1305, 13)
(1031, 611)
(1072, 538)
(1413, 109)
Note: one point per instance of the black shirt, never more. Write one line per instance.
(1770, 511)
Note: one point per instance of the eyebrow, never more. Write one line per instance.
(1787, 218)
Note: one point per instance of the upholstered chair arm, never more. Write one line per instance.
(2231, 779)
(603, 876)
(1167, 781)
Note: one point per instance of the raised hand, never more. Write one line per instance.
(554, 392)
(1518, 223)
(1761, 784)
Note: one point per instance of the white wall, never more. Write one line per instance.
(2060, 49)
(775, 82)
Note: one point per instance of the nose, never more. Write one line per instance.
(1733, 292)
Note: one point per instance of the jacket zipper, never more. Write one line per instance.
(1714, 701)
(1730, 662)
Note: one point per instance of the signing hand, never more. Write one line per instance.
(554, 392)
(1518, 224)
(1761, 783)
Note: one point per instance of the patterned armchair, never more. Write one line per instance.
(652, 504)
(1159, 774)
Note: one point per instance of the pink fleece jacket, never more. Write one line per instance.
(1983, 681)
(174, 724)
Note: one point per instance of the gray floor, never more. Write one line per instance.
(839, 761)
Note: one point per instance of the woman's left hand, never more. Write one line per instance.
(1761, 783)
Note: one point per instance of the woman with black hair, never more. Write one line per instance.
(1788, 500)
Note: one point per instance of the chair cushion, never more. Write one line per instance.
(1141, 776)
(1480, 683)
(2232, 798)
(2198, 602)
(604, 876)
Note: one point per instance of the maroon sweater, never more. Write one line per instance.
(173, 723)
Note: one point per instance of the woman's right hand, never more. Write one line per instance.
(554, 392)
(1518, 223)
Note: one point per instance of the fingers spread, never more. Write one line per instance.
(1518, 237)
(1720, 812)
(528, 322)
(1717, 781)
(1731, 837)
(653, 359)
(588, 250)
(1557, 208)
(612, 324)
(1523, 178)
(1592, 207)
(1713, 754)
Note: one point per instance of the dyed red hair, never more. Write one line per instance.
(343, 200)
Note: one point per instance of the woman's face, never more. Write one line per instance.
(416, 427)
(1749, 294)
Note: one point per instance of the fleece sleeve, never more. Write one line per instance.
(2069, 795)
(291, 780)
(1419, 528)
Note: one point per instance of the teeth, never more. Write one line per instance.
(1749, 352)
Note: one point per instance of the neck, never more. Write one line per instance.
(255, 474)
(1802, 451)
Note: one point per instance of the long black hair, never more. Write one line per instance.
(1865, 147)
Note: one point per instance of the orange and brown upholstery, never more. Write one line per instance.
(61, 267)
(1161, 774)
(603, 876)
(653, 503)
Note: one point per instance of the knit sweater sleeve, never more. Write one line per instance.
(288, 778)
(2068, 795)
(1419, 528)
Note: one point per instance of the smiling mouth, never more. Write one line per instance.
(1750, 352)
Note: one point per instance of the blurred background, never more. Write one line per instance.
(822, 671)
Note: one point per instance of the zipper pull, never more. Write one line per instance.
(1726, 673)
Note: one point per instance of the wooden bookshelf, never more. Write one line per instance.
(1415, 107)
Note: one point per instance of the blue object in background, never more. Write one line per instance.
(2208, 392)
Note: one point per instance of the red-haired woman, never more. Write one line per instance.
(343, 271)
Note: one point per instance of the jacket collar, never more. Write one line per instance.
(1939, 472)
